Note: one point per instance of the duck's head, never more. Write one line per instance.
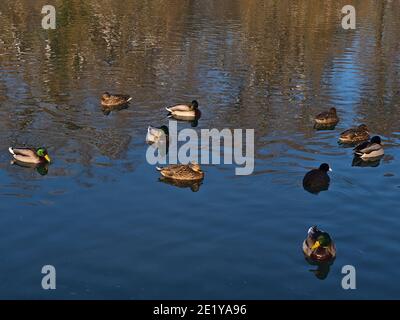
(363, 127)
(332, 110)
(376, 139)
(165, 130)
(195, 167)
(323, 241)
(105, 95)
(325, 167)
(195, 104)
(43, 154)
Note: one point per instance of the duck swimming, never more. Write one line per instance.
(157, 134)
(185, 111)
(318, 245)
(184, 172)
(370, 149)
(327, 118)
(353, 135)
(30, 155)
(317, 180)
(114, 100)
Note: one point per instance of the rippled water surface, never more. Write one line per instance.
(102, 217)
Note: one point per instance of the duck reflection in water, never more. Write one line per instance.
(108, 109)
(323, 268)
(359, 162)
(41, 168)
(193, 185)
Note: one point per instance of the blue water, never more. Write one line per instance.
(113, 230)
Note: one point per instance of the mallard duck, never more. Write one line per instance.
(193, 185)
(113, 100)
(186, 172)
(157, 134)
(318, 245)
(353, 135)
(370, 149)
(30, 155)
(328, 117)
(317, 180)
(184, 111)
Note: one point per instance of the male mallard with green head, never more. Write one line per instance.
(353, 135)
(327, 117)
(157, 134)
(185, 111)
(186, 172)
(30, 155)
(113, 100)
(370, 149)
(319, 245)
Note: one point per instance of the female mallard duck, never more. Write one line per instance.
(29, 155)
(113, 100)
(327, 118)
(317, 180)
(359, 134)
(186, 172)
(157, 134)
(370, 149)
(185, 112)
(318, 245)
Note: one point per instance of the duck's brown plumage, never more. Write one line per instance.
(353, 135)
(113, 100)
(327, 117)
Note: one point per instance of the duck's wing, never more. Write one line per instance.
(179, 107)
(368, 148)
(22, 151)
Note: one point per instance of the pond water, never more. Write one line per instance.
(113, 230)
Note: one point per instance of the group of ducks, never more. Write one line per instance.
(318, 245)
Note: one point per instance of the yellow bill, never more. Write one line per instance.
(47, 158)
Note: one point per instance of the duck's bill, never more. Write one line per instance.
(330, 169)
(47, 158)
(316, 245)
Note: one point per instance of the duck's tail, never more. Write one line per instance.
(11, 150)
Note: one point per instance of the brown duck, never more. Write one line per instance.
(353, 135)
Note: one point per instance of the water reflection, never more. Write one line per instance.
(108, 109)
(322, 268)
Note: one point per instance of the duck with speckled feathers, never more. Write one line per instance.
(317, 180)
(370, 150)
(354, 135)
(187, 112)
(114, 100)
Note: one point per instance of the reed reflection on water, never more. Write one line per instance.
(99, 213)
